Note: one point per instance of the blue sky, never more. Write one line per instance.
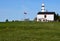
(14, 9)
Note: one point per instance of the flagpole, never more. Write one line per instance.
(25, 16)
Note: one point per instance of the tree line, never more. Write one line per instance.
(56, 18)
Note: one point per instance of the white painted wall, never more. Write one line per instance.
(39, 17)
(49, 17)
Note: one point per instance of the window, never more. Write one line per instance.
(44, 16)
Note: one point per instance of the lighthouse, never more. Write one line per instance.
(43, 8)
(44, 16)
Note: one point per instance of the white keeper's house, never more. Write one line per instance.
(45, 16)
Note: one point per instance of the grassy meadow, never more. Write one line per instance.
(29, 31)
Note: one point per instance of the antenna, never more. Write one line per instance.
(42, 1)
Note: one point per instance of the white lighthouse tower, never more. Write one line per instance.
(43, 7)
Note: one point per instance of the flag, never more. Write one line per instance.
(25, 13)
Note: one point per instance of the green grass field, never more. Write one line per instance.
(29, 31)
